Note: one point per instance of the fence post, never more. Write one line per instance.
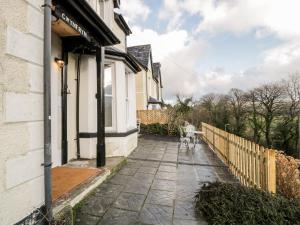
(213, 131)
(227, 146)
(252, 164)
(271, 171)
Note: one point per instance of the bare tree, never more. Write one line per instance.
(216, 107)
(238, 103)
(207, 102)
(254, 119)
(270, 97)
(287, 126)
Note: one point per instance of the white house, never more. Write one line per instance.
(120, 98)
(93, 99)
(148, 80)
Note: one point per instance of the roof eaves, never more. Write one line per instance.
(87, 15)
(119, 55)
(122, 23)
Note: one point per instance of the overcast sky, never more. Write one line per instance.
(214, 45)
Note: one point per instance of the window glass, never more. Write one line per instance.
(108, 96)
(127, 97)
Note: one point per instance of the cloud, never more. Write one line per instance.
(179, 55)
(239, 17)
(172, 13)
(179, 70)
(181, 52)
(278, 64)
(284, 54)
(135, 10)
(162, 44)
(236, 16)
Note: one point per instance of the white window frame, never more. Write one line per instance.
(113, 81)
(127, 100)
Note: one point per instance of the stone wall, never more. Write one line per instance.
(21, 109)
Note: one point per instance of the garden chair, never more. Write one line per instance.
(190, 134)
(183, 139)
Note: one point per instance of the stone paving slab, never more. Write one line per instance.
(160, 197)
(119, 216)
(130, 201)
(156, 187)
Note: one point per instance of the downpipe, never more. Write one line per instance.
(47, 112)
(77, 106)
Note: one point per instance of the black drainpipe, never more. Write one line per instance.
(64, 111)
(47, 111)
(77, 106)
(100, 108)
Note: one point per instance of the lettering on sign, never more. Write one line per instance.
(70, 21)
(73, 24)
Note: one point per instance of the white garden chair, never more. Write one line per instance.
(183, 139)
(190, 134)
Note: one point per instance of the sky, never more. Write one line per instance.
(208, 46)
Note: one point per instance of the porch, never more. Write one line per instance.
(74, 181)
(156, 186)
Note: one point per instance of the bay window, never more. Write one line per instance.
(108, 94)
(127, 98)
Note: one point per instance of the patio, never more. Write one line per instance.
(156, 186)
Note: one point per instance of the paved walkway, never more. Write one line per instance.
(155, 187)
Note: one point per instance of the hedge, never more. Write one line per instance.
(235, 204)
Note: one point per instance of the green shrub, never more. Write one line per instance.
(232, 204)
(157, 129)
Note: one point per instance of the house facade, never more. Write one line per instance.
(120, 99)
(148, 80)
(93, 103)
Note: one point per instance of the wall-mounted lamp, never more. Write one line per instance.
(60, 62)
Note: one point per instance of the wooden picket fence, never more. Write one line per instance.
(153, 116)
(253, 165)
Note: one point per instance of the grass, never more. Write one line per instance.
(231, 204)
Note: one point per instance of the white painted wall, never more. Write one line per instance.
(71, 121)
(132, 101)
(141, 90)
(105, 9)
(120, 97)
(88, 106)
(56, 101)
(21, 109)
(120, 35)
(120, 146)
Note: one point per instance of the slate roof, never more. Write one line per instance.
(152, 100)
(129, 59)
(141, 53)
(157, 72)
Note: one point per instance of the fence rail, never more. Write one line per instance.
(253, 165)
(152, 116)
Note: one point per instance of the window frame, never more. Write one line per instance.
(113, 96)
(127, 99)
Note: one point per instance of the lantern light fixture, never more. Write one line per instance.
(60, 62)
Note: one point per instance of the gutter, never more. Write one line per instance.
(122, 23)
(85, 13)
(114, 54)
(47, 112)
